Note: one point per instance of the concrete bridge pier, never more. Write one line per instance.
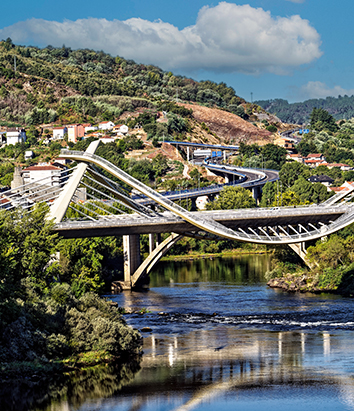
(158, 239)
(131, 253)
(193, 201)
(300, 250)
(227, 179)
(211, 197)
(151, 243)
(154, 242)
(256, 194)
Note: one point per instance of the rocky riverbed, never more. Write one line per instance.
(296, 283)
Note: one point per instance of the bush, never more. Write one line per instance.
(272, 128)
(60, 325)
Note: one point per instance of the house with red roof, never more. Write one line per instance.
(44, 173)
(106, 125)
(75, 132)
(316, 156)
(295, 157)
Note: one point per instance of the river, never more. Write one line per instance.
(216, 337)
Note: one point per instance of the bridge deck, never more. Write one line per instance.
(167, 222)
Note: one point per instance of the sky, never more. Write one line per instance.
(264, 49)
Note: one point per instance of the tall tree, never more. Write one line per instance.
(320, 120)
(231, 198)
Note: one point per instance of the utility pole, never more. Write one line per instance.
(15, 63)
(251, 97)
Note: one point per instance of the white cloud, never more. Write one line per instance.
(225, 38)
(317, 89)
(297, 1)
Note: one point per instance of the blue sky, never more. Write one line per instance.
(292, 49)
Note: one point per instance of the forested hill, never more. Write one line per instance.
(44, 76)
(299, 113)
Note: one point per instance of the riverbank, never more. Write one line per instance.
(339, 280)
(231, 253)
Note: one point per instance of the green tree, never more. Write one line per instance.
(26, 245)
(310, 192)
(290, 172)
(286, 199)
(329, 253)
(320, 120)
(272, 128)
(85, 263)
(160, 165)
(269, 193)
(274, 154)
(231, 198)
(3, 92)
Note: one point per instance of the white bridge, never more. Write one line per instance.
(109, 209)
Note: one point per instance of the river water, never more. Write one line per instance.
(217, 338)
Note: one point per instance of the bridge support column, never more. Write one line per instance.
(227, 179)
(211, 197)
(131, 252)
(151, 243)
(256, 194)
(193, 203)
(145, 268)
(187, 153)
(158, 240)
(300, 250)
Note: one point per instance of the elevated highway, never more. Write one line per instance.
(204, 145)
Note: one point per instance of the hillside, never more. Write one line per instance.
(63, 86)
(229, 127)
(60, 86)
(299, 113)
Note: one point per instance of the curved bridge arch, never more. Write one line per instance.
(259, 235)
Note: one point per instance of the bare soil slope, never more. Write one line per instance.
(229, 127)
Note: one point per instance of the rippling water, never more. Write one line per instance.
(218, 338)
(207, 293)
(221, 339)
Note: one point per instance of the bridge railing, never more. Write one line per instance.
(202, 222)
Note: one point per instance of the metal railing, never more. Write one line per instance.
(209, 224)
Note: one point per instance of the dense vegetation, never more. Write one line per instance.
(341, 107)
(46, 314)
(65, 85)
(331, 266)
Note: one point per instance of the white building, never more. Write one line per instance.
(46, 174)
(295, 157)
(90, 128)
(28, 154)
(201, 202)
(15, 135)
(107, 139)
(62, 161)
(106, 125)
(59, 133)
(121, 129)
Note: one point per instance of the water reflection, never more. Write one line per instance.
(69, 391)
(221, 339)
(211, 366)
(244, 269)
